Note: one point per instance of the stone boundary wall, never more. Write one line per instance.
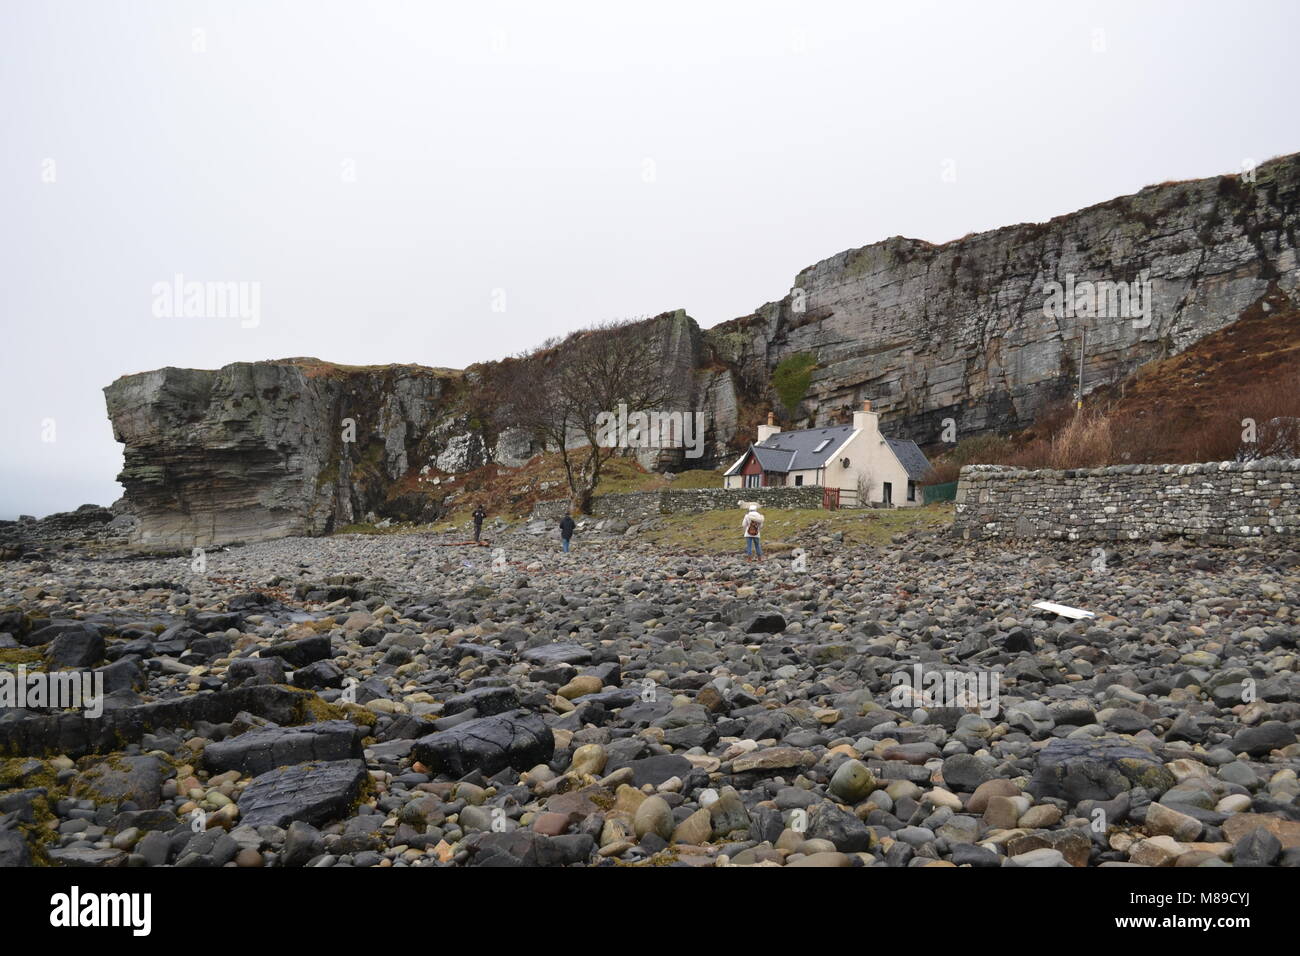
(1217, 503)
(639, 505)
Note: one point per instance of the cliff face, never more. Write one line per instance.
(257, 450)
(929, 332)
(260, 450)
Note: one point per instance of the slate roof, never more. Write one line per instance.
(910, 456)
(793, 451)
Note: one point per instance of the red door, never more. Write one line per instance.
(830, 498)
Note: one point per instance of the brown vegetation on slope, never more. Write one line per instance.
(1190, 407)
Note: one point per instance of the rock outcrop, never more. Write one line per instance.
(94, 524)
(958, 330)
(927, 332)
(260, 450)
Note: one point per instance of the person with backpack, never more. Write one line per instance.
(566, 531)
(752, 524)
(479, 515)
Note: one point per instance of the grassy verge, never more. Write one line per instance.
(716, 532)
(511, 493)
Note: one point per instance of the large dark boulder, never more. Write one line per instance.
(124, 674)
(964, 772)
(14, 620)
(252, 601)
(302, 843)
(300, 653)
(209, 621)
(49, 632)
(530, 848)
(557, 654)
(1260, 740)
(486, 701)
(76, 734)
(205, 649)
(87, 857)
(13, 849)
(83, 648)
(315, 793)
(846, 831)
(265, 748)
(319, 674)
(1096, 769)
(122, 779)
(516, 739)
(766, 622)
(255, 670)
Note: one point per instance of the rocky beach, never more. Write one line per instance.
(400, 700)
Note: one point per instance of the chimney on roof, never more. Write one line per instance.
(767, 431)
(867, 420)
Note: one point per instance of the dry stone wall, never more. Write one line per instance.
(639, 505)
(1215, 503)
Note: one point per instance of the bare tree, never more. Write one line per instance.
(559, 394)
(866, 485)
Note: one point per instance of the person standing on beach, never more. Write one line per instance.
(752, 525)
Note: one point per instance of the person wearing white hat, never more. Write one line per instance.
(752, 525)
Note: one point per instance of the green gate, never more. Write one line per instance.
(945, 492)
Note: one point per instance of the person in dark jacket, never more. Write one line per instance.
(479, 515)
(566, 531)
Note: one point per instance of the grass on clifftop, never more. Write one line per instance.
(716, 532)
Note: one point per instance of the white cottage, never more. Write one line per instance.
(844, 458)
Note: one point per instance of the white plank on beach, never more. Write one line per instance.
(1064, 610)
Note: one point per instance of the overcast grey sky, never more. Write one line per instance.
(381, 168)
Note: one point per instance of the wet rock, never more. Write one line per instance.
(301, 652)
(843, 829)
(260, 750)
(255, 670)
(122, 779)
(965, 772)
(86, 856)
(548, 654)
(44, 635)
(1260, 740)
(852, 781)
(1096, 769)
(1257, 848)
(13, 849)
(318, 675)
(516, 739)
(529, 848)
(77, 735)
(82, 648)
(485, 701)
(302, 843)
(314, 793)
